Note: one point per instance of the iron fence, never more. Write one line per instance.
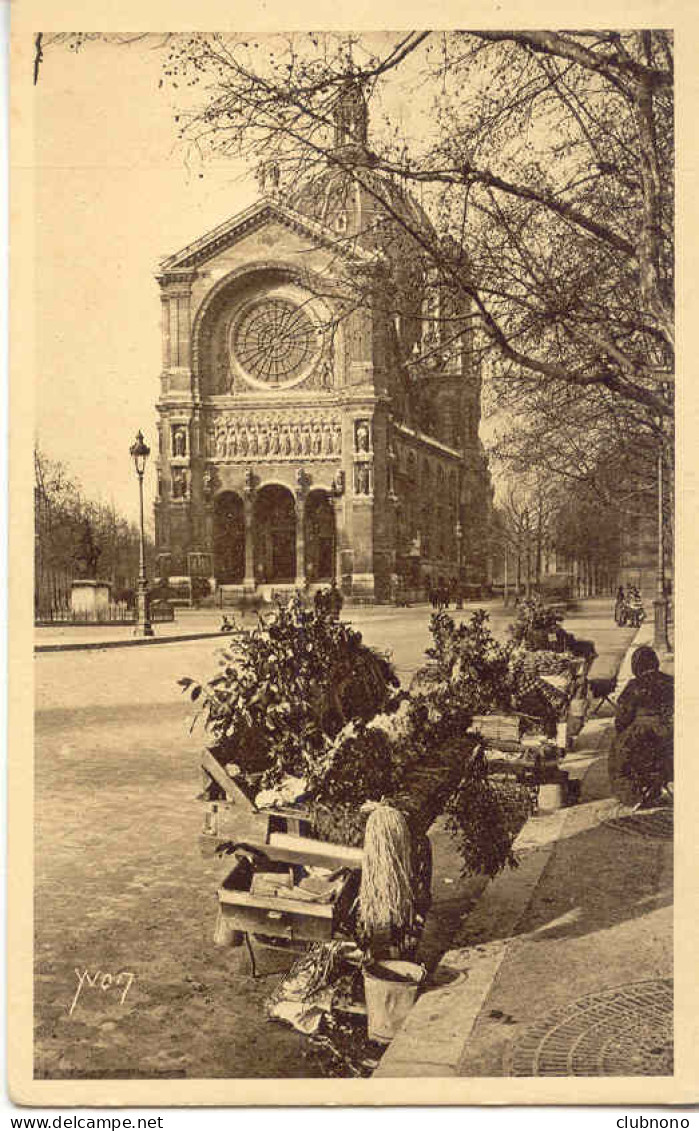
(160, 612)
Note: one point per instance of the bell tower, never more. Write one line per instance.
(351, 115)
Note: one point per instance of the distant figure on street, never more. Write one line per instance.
(619, 605)
(635, 613)
(335, 600)
(641, 758)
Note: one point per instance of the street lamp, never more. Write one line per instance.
(139, 453)
(459, 531)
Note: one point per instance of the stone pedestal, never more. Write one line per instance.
(90, 599)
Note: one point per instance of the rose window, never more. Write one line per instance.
(274, 342)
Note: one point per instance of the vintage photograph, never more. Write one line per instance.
(354, 497)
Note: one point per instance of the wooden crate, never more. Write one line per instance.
(283, 917)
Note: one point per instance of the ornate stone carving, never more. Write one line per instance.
(303, 482)
(180, 483)
(209, 483)
(274, 437)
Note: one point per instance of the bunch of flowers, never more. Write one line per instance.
(466, 666)
(535, 621)
(285, 687)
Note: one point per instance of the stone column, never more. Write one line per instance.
(338, 504)
(301, 537)
(249, 511)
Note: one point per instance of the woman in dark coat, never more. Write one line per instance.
(641, 757)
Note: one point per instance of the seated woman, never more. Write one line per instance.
(641, 757)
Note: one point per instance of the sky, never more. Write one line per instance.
(114, 195)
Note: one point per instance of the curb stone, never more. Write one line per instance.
(131, 642)
(432, 1039)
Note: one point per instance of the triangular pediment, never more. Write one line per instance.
(260, 214)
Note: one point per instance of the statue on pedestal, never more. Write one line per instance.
(86, 553)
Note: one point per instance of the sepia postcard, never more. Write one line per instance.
(351, 552)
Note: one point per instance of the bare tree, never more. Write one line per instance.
(549, 154)
(62, 516)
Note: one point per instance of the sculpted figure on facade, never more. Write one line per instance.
(362, 436)
(179, 483)
(317, 441)
(362, 479)
(243, 445)
(179, 441)
(274, 443)
(325, 374)
(209, 483)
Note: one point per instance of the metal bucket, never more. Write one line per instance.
(390, 990)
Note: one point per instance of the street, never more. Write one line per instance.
(128, 980)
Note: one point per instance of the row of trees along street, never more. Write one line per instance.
(69, 529)
(544, 163)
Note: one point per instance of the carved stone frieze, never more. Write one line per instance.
(273, 437)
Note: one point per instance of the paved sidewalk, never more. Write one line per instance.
(564, 965)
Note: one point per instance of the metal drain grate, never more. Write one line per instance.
(626, 1031)
(657, 823)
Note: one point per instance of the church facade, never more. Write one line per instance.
(319, 405)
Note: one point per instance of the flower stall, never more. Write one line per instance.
(323, 778)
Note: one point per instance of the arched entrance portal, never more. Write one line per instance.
(320, 537)
(229, 539)
(275, 535)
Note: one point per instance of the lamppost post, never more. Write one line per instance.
(139, 453)
(660, 637)
(459, 532)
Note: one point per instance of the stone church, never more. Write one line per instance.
(319, 404)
